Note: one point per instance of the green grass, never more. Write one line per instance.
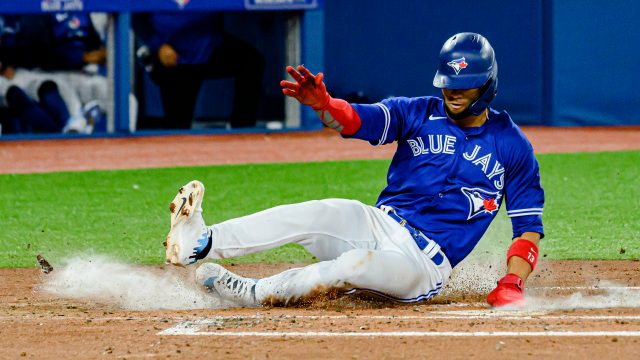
(592, 205)
(593, 202)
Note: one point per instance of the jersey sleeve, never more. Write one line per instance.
(524, 195)
(383, 122)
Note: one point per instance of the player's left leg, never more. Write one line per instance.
(396, 275)
(393, 267)
(326, 228)
(188, 237)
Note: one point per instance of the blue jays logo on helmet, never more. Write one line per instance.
(458, 64)
(481, 201)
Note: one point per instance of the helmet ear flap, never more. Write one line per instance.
(487, 93)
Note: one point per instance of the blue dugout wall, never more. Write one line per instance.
(595, 49)
(562, 62)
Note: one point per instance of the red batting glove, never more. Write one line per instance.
(508, 292)
(308, 89)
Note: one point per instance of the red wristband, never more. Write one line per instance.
(525, 250)
(343, 114)
(324, 102)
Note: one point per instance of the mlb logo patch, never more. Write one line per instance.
(458, 64)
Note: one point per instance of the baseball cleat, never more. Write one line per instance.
(229, 286)
(189, 239)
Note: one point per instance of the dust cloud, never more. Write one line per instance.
(134, 287)
(127, 286)
(610, 295)
(476, 276)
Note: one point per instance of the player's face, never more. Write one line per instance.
(459, 100)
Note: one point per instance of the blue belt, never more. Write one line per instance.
(426, 245)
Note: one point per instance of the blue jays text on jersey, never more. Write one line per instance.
(449, 181)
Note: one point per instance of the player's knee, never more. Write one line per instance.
(334, 205)
(317, 207)
(353, 265)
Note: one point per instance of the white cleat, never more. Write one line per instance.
(227, 285)
(189, 239)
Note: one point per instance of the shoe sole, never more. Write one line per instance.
(183, 205)
(188, 199)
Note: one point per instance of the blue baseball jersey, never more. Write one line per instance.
(450, 181)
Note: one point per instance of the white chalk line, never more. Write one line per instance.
(190, 331)
(436, 315)
(195, 327)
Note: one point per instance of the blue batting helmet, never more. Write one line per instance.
(467, 61)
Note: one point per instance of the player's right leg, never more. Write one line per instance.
(188, 239)
(326, 228)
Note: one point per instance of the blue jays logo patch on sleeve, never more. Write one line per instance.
(481, 201)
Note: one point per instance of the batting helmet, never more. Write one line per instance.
(467, 61)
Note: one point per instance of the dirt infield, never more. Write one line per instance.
(35, 324)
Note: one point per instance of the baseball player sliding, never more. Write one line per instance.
(457, 161)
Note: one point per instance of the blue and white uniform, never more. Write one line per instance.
(444, 186)
(449, 182)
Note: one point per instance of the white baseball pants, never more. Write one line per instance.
(360, 247)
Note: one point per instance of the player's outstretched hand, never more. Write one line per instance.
(308, 89)
(507, 293)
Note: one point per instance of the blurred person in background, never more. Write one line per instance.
(33, 102)
(61, 41)
(183, 49)
(32, 106)
(67, 48)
